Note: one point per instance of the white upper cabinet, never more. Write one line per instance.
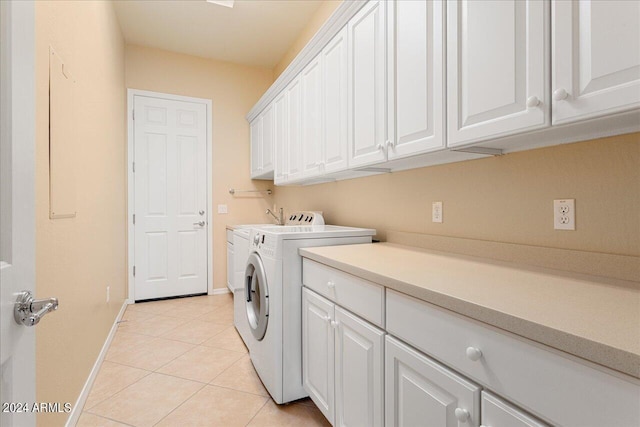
(262, 145)
(415, 74)
(366, 82)
(596, 58)
(280, 128)
(312, 123)
(497, 68)
(256, 146)
(293, 150)
(334, 103)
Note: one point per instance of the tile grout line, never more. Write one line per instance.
(258, 411)
(182, 403)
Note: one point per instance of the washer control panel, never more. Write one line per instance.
(305, 218)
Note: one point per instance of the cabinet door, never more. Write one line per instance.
(596, 58)
(498, 413)
(267, 140)
(318, 351)
(256, 146)
(359, 371)
(294, 131)
(280, 128)
(311, 101)
(415, 69)
(421, 392)
(497, 62)
(367, 102)
(334, 103)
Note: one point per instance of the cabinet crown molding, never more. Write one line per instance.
(334, 24)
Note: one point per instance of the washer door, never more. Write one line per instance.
(257, 295)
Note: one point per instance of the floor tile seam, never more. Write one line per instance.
(181, 403)
(266, 396)
(147, 373)
(107, 418)
(258, 411)
(226, 369)
(221, 348)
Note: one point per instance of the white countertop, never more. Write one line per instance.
(594, 318)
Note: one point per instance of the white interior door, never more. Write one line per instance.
(170, 153)
(17, 206)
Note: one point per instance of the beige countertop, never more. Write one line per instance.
(597, 319)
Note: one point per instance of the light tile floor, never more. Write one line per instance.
(181, 363)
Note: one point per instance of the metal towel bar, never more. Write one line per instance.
(234, 191)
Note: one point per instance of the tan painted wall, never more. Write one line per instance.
(234, 89)
(502, 199)
(317, 20)
(77, 258)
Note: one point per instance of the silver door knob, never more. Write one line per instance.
(201, 213)
(28, 311)
(199, 223)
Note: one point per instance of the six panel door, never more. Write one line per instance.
(170, 198)
(497, 62)
(596, 58)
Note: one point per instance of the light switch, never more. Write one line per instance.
(222, 209)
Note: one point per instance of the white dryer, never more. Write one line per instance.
(273, 294)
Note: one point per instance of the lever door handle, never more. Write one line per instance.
(200, 223)
(28, 311)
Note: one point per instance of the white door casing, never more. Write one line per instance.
(596, 58)
(170, 242)
(497, 74)
(17, 204)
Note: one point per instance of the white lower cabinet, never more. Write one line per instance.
(342, 359)
(421, 392)
(498, 413)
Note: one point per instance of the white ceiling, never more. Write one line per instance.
(253, 32)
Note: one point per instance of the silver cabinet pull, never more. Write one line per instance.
(28, 311)
(200, 223)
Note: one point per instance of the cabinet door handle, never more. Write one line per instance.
(331, 284)
(334, 324)
(391, 144)
(533, 101)
(380, 147)
(560, 94)
(462, 415)
(474, 353)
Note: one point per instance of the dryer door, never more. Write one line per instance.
(257, 296)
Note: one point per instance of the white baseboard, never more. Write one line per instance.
(220, 291)
(74, 416)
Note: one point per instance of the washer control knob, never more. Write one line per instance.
(256, 239)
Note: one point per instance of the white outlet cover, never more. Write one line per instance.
(222, 209)
(564, 214)
(436, 212)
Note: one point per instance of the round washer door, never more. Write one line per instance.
(257, 296)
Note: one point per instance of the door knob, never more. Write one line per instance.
(199, 223)
(201, 213)
(28, 311)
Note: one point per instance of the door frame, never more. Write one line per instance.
(208, 103)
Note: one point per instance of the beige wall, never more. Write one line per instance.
(77, 258)
(317, 20)
(234, 89)
(502, 199)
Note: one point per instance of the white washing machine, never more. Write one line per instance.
(273, 294)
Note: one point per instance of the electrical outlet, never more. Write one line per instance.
(108, 293)
(564, 214)
(436, 212)
(222, 209)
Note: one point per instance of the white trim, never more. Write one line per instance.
(220, 291)
(130, 183)
(334, 24)
(84, 394)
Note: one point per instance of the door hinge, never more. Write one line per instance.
(134, 271)
(134, 219)
(133, 114)
(134, 167)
